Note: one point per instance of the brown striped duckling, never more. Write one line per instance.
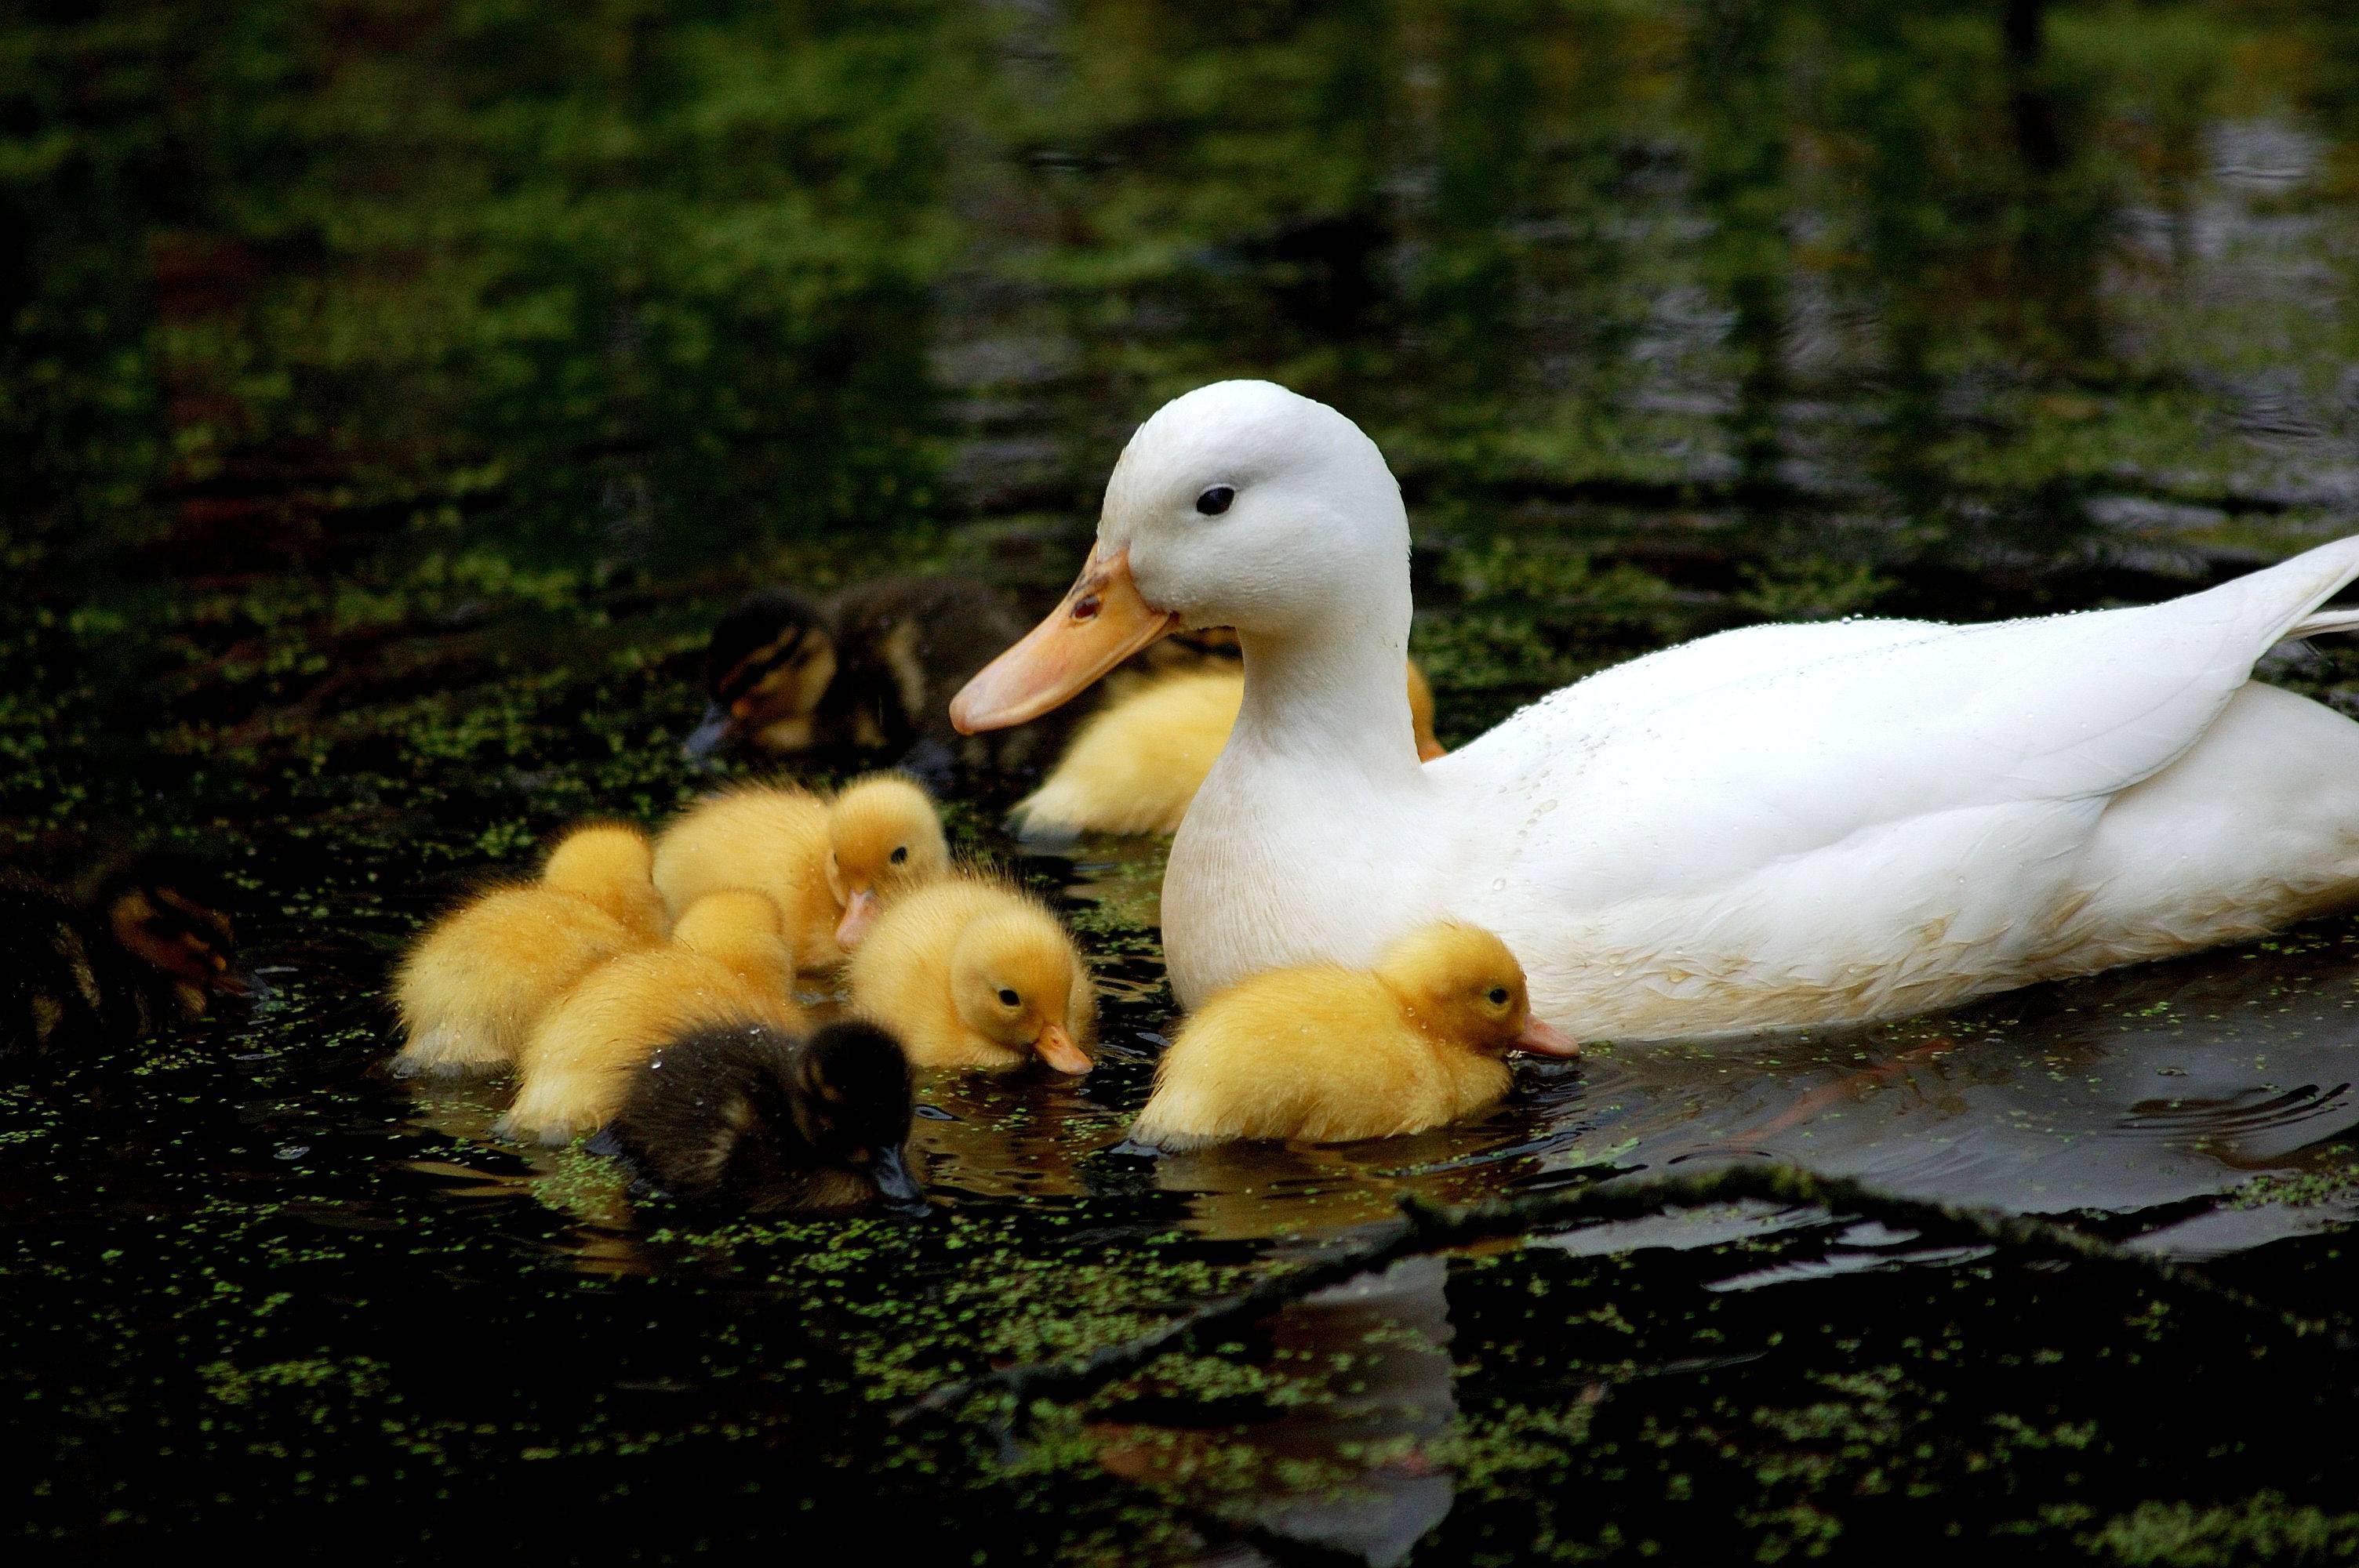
(148, 942)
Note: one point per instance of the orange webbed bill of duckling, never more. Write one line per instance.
(1136, 766)
(885, 837)
(471, 988)
(970, 973)
(815, 858)
(1326, 1055)
(726, 964)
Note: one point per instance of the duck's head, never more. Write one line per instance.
(170, 909)
(1016, 981)
(1465, 987)
(850, 1101)
(770, 661)
(1239, 505)
(611, 865)
(741, 928)
(884, 837)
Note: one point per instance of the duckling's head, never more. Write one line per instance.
(884, 837)
(170, 909)
(1465, 987)
(741, 928)
(611, 865)
(769, 664)
(1421, 715)
(1239, 505)
(1016, 981)
(851, 1102)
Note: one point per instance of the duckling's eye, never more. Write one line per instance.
(1496, 996)
(1215, 501)
(901, 853)
(1008, 998)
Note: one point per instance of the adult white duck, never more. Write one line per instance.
(1777, 825)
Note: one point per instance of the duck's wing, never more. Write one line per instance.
(1679, 780)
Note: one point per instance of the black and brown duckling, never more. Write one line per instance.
(873, 669)
(749, 1115)
(148, 941)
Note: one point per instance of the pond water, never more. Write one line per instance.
(395, 391)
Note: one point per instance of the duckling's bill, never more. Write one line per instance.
(1056, 1047)
(1102, 621)
(1541, 1040)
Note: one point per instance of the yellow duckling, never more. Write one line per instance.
(471, 988)
(1134, 767)
(726, 964)
(827, 865)
(1331, 1055)
(972, 974)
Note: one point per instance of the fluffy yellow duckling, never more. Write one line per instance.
(1134, 766)
(1331, 1055)
(827, 865)
(471, 988)
(726, 964)
(972, 974)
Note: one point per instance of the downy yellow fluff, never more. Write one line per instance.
(1329, 1055)
(972, 974)
(827, 865)
(726, 963)
(471, 988)
(1135, 767)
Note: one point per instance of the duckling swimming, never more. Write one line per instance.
(1134, 766)
(873, 668)
(744, 1114)
(149, 941)
(471, 988)
(972, 974)
(1331, 1055)
(827, 865)
(725, 965)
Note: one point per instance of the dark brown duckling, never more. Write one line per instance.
(871, 669)
(746, 1115)
(148, 941)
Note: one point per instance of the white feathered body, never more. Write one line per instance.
(1793, 824)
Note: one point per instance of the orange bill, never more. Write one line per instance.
(1541, 1040)
(1102, 622)
(1057, 1048)
(859, 912)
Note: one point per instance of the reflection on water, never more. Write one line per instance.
(1335, 1456)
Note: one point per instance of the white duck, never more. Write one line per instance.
(1777, 825)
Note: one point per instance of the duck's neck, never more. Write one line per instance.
(1330, 698)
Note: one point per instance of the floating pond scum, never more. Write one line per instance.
(394, 393)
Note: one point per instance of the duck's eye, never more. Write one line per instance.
(1496, 996)
(1215, 501)
(901, 853)
(1008, 998)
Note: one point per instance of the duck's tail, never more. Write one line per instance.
(2340, 620)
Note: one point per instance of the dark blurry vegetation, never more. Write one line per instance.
(347, 339)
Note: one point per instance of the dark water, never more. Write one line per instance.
(394, 391)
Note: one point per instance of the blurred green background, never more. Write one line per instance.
(327, 320)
